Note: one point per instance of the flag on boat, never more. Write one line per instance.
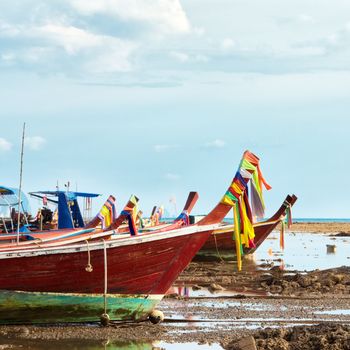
(129, 213)
(107, 214)
(237, 197)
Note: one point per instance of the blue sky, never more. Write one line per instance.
(158, 98)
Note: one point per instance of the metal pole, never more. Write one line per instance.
(4, 223)
(24, 213)
(10, 209)
(20, 184)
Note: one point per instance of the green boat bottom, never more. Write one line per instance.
(17, 307)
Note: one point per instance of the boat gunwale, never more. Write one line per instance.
(114, 242)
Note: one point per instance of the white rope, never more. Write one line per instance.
(88, 267)
(217, 249)
(106, 276)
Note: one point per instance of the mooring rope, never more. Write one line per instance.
(217, 249)
(88, 267)
(106, 276)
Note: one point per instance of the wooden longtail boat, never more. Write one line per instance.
(222, 243)
(46, 239)
(125, 276)
(74, 235)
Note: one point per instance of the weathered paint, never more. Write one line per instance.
(18, 307)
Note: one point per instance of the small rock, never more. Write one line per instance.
(247, 343)
(338, 278)
(264, 285)
(215, 286)
(274, 289)
(267, 278)
(304, 281)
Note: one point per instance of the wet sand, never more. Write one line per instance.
(324, 227)
(212, 303)
(201, 320)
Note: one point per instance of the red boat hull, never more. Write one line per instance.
(143, 267)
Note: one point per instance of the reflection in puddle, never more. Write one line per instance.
(333, 312)
(88, 344)
(186, 346)
(192, 292)
(305, 251)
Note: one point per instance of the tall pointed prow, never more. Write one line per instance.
(126, 214)
(221, 243)
(183, 218)
(236, 198)
(106, 216)
(190, 203)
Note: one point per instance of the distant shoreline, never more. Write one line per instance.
(295, 220)
(341, 228)
(322, 220)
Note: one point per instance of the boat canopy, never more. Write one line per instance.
(69, 213)
(6, 191)
(70, 195)
(8, 196)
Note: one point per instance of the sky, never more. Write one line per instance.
(159, 98)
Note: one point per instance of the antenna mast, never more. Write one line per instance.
(20, 184)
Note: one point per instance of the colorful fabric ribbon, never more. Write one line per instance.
(285, 222)
(108, 212)
(155, 218)
(131, 223)
(237, 196)
(184, 217)
(283, 229)
(289, 220)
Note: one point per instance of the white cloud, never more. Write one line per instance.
(72, 39)
(199, 31)
(4, 145)
(183, 57)
(34, 143)
(227, 44)
(172, 177)
(168, 14)
(116, 59)
(180, 56)
(98, 53)
(8, 56)
(200, 58)
(164, 148)
(218, 143)
(305, 18)
(8, 30)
